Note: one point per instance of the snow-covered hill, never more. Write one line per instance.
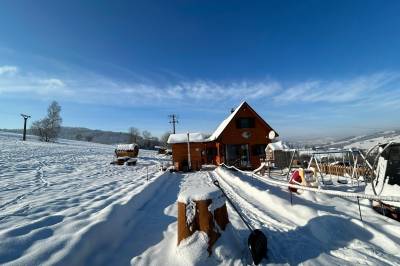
(365, 141)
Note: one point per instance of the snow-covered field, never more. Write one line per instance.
(64, 204)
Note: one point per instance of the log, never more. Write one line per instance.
(207, 213)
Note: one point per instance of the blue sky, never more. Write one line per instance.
(310, 68)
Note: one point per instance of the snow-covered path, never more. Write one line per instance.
(153, 218)
(227, 250)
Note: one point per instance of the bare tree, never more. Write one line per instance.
(78, 136)
(55, 120)
(164, 138)
(40, 129)
(134, 135)
(49, 127)
(147, 138)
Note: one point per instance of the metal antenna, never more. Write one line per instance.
(25, 119)
(173, 120)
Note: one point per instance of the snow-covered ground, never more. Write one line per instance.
(318, 229)
(64, 204)
(315, 230)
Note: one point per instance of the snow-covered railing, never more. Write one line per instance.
(318, 190)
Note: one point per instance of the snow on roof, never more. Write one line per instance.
(224, 124)
(277, 146)
(126, 147)
(182, 138)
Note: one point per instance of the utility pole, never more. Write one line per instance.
(173, 120)
(25, 119)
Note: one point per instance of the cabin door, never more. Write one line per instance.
(244, 155)
(237, 155)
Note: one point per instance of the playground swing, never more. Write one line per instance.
(323, 179)
(339, 180)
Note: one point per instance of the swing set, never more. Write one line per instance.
(327, 163)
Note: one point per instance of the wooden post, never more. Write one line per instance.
(203, 219)
(188, 148)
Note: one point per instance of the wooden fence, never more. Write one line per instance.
(340, 170)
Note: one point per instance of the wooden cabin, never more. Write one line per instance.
(240, 139)
(187, 150)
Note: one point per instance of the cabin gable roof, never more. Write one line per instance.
(224, 124)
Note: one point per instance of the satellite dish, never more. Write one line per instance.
(271, 135)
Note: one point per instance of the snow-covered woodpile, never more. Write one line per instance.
(127, 150)
(201, 207)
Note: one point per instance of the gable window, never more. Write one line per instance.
(245, 122)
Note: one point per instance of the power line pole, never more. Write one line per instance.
(173, 120)
(25, 119)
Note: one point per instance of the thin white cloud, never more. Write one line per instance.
(52, 83)
(338, 91)
(89, 87)
(186, 91)
(8, 70)
(15, 83)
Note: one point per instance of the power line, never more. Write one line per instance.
(173, 120)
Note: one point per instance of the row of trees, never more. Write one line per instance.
(48, 129)
(145, 139)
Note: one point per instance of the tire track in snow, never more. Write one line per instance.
(236, 195)
(257, 218)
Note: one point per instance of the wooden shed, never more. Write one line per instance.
(187, 150)
(279, 154)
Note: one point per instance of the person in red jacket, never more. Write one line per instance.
(295, 179)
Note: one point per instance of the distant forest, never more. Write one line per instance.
(143, 139)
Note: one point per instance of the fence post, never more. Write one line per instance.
(359, 208)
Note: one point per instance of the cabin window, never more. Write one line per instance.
(259, 149)
(245, 122)
(212, 151)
